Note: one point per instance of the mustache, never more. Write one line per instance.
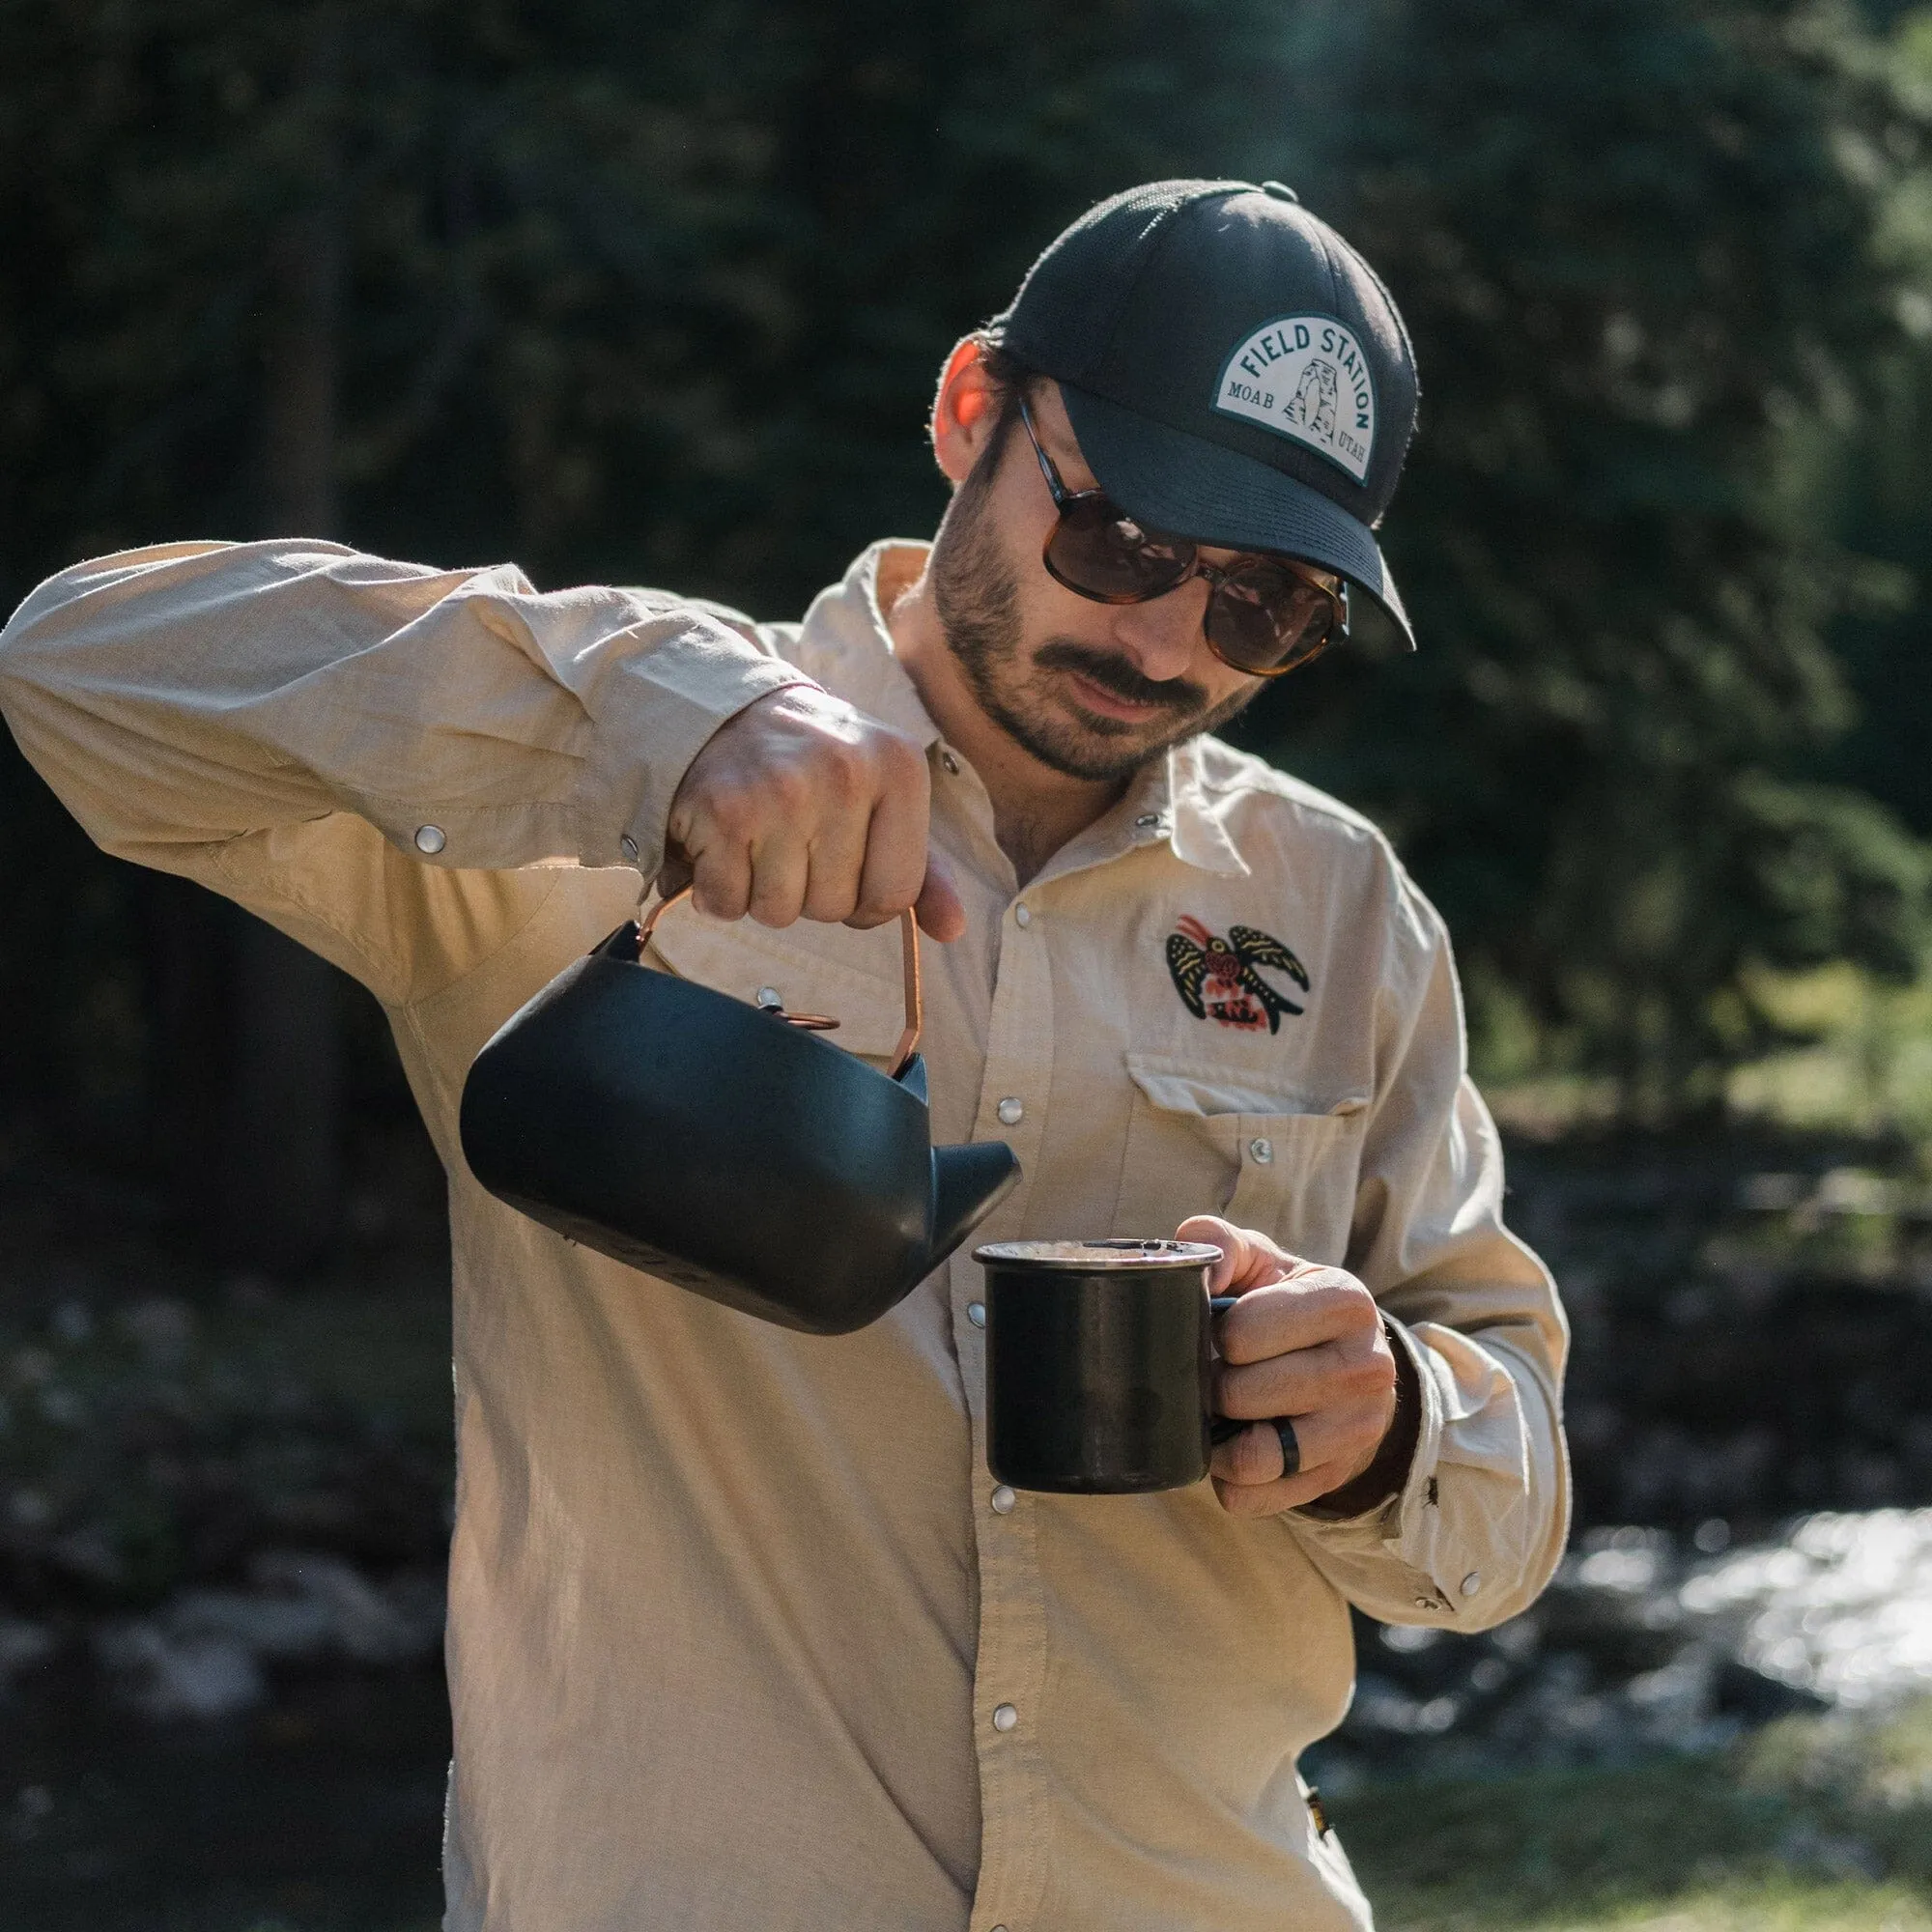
(1115, 674)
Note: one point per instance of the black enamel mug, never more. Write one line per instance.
(1099, 1358)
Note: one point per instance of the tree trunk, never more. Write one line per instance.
(279, 1156)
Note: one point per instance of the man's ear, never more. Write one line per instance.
(964, 412)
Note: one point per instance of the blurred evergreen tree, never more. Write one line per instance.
(1875, 481)
(656, 294)
(640, 294)
(1634, 241)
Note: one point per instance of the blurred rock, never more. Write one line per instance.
(204, 1653)
(22, 1645)
(161, 1327)
(1752, 1337)
(397, 1624)
(72, 1320)
(164, 1673)
(1646, 1643)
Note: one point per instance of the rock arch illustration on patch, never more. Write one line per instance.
(1314, 400)
(1305, 376)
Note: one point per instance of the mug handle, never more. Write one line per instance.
(1225, 1428)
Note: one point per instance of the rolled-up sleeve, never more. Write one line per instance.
(1477, 1528)
(215, 709)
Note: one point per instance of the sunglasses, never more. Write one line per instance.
(1266, 615)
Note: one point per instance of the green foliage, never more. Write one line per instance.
(1877, 486)
(1818, 1825)
(652, 293)
(1635, 243)
(657, 295)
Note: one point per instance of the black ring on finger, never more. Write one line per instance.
(1291, 1448)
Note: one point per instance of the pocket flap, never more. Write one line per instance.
(1187, 1087)
(848, 975)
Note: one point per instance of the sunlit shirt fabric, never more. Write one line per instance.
(741, 1632)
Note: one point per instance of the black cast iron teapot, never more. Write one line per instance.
(720, 1145)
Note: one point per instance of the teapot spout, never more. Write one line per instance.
(968, 1183)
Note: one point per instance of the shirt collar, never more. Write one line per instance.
(1195, 831)
(844, 642)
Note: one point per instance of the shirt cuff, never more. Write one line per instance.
(1396, 1526)
(662, 706)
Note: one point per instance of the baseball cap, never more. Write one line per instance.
(1236, 374)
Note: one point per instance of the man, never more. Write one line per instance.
(742, 1633)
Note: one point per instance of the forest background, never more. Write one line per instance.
(658, 295)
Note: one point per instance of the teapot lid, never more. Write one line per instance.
(1095, 1257)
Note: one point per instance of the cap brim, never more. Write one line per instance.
(1192, 487)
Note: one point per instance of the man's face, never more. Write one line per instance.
(1092, 690)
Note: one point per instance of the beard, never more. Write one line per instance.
(976, 596)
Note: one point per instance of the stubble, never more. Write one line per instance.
(976, 594)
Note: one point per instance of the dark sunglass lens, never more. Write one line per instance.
(1100, 550)
(1268, 619)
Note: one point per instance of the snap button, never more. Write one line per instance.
(1004, 1717)
(1472, 1584)
(1280, 190)
(976, 1313)
(430, 839)
(1148, 820)
(1262, 1149)
(629, 847)
(1022, 915)
(951, 763)
(1003, 1500)
(1425, 1602)
(1012, 1111)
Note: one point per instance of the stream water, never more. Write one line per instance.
(1648, 1642)
(318, 1806)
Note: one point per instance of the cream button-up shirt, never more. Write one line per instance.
(741, 1632)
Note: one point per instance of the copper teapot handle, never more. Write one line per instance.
(915, 1006)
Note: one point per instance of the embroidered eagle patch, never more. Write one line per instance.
(1217, 980)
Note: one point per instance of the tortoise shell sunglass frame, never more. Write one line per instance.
(1266, 615)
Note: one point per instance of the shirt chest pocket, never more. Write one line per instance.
(1210, 1140)
(851, 977)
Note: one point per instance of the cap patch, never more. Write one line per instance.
(1305, 376)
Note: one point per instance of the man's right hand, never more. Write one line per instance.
(800, 807)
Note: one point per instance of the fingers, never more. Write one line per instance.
(1304, 1307)
(892, 853)
(833, 865)
(780, 881)
(675, 874)
(720, 879)
(1304, 1342)
(1249, 1259)
(1336, 1445)
(800, 807)
(940, 909)
(1328, 1442)
(1355, 1372)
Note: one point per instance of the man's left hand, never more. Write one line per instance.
(1305, 1342)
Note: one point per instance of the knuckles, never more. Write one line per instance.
(841, 777)
(901, 762)
(812, 768)
(781, 805)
